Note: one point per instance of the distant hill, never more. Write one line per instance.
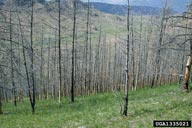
(122, 9)
(177, 5)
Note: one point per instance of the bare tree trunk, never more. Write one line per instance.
(68, 63)
(125, 111)
(161, 36)
(120, 65)
(183, 57)
(185, 84)
(25, 61)
(59, 40)
(55, 68)
(109, 85)
(32, 60)
(41, 67)
(11, 47)
(86, 48)
(114, 65)
(73, 50)
(133, 55)
(90, 60)
(96, 67)
(48, 68)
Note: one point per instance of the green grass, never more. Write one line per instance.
(103, 110)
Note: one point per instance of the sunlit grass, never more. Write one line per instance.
(102, 110)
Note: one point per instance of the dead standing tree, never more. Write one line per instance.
(24, 56)
(59, 40)
(127, 66)
(32, 89)
(188, 17)
(73, 50)
(185, 84)
(157, 67)
(12, 53)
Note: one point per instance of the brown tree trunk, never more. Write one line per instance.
(185, 84)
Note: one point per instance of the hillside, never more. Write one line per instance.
(103, 110)
(122, 9)
(177, 5)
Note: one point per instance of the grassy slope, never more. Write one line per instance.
(165, 102)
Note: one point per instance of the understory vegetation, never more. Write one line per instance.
(102, 110)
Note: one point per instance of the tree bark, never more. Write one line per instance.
(11, 47)
(185, 84)
(25, 59)
(48, 68)
(125, 111)
(59, 39)
(159, 45)
(133, 55)
(41, 67)
(32, 60)
(73, 51)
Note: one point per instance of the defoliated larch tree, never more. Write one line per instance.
(59, 39)
(125, 111)
(73, 50)
(32, 99)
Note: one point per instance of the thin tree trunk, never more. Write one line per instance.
(133, 55)
(183, 57)
(25, 61)
(11, 47)
(48, 72)
(73, 50)
(114, 65)
(97, 62)
(32, 60)
(41, 67)
(109, 85)
(125, 111)
(55, 68)
(90, 60)
(59, 40)
(161, 36)
(86, 48)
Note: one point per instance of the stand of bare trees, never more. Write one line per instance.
(53, 51)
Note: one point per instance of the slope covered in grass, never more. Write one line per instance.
(102, 110)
